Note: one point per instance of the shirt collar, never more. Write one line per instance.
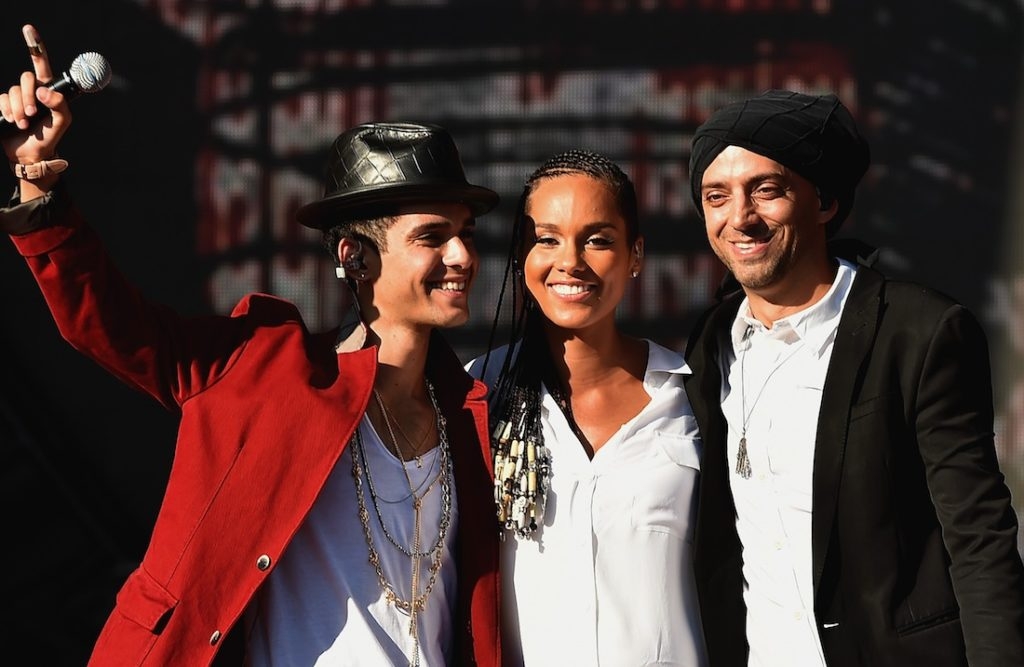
(660, 359)
(814, 324)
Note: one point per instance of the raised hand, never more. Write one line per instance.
(32, 151)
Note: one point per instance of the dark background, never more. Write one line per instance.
(191, 162)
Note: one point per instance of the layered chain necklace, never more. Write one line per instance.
(360, 469)
(388, 420)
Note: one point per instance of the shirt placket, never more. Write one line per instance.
(581, 568)
(799, 613)
(584, 491)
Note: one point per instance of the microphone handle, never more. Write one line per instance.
(63, 84)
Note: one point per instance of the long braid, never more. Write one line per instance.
(521, 460)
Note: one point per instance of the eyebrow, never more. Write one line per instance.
(756, 179)
(589, 227)
(437, 225)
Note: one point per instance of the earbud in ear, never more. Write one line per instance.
(350, 269)
(352, 266)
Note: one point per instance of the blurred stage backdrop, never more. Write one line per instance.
(191, 163)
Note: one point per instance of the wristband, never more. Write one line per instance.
(37, 170)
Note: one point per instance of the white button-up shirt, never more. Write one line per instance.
(772, 393)
(608, 578)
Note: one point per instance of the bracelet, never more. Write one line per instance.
(37, 170)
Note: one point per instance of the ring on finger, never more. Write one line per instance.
(36, 49)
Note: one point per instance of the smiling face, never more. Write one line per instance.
(423, 278)
(578, 257)
(766, 224)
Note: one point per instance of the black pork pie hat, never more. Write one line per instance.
(376, 168)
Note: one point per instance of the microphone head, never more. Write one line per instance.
(90, 72)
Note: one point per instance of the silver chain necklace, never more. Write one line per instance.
(416, 603)
(743, 467)
(429, 477)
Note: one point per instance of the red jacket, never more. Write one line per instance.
(266, 410)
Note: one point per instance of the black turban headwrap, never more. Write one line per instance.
(815, 136)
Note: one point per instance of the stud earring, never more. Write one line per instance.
(340, 272)
(635, 274)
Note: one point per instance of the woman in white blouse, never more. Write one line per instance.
(596, 449)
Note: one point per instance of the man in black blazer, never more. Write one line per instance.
(851, 509)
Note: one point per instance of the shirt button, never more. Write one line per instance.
(779, 544)
(263, 562)
(215, 637)
(798, 616)
(761, 476)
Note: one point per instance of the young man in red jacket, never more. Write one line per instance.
(313, 513)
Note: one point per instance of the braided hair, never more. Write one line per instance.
(522, 462)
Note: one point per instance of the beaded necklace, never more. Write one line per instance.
(415, 603)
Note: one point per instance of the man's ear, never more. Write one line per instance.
(828, 206)
(350, 259)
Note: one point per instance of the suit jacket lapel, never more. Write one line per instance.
(715, 534)
(854, 338)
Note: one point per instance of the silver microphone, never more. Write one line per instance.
(89, 73)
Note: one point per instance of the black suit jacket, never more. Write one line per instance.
(913, 534)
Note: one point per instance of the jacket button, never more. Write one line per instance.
(263, 562)
(215, 637)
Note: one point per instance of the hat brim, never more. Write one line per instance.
(381, 200)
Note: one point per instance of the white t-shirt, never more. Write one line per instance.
(608, 578)
(324, 605)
